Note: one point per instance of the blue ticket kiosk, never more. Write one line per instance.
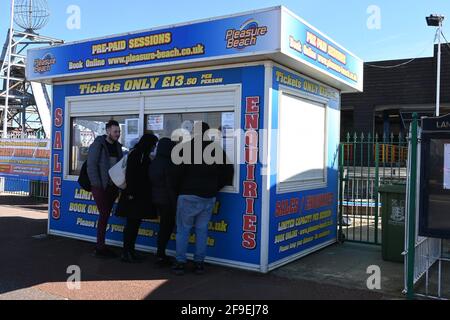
(267, 76)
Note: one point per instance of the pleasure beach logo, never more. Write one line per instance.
(45, 64)
(246, 36)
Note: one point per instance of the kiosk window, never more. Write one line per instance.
(301, 143)
(84, 130)
(164, 125)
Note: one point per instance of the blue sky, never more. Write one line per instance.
(403, 32)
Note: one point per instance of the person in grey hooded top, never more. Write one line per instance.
(103, 154)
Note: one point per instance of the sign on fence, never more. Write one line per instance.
(25, 159)
(434, 188)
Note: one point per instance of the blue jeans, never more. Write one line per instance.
(193, 211)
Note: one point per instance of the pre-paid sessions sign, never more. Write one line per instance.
(245, 34)
(267, 32)
(28, 159)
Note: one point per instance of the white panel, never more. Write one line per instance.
(189, 101)
(107, 106)
(302, 140)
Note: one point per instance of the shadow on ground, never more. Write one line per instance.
(24, 202)
(35, 267)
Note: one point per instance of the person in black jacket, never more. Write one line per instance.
(163, 196)
(135, 201)
(198, 183)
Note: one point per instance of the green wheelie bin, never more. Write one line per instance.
(393, 201)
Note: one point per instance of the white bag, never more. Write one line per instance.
(117, 173)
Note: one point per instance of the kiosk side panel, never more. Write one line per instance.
(312, 48)
(304, 166)
(80, 111)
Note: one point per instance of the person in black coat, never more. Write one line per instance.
(163, 196)
(198, 182)
(135, 201)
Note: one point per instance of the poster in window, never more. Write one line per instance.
(155, 122)
(131, 132)
(227, 123)
(228, 134)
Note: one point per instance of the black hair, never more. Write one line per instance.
(112, 123)
(203, 125)
(165, 147)
(146, 144)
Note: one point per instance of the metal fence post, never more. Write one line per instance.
(341, 192)
(376, 184)
(412, 210)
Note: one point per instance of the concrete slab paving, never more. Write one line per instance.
(36, 268)
(347, 265)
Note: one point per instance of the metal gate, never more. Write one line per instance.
(366, 163)
(24, 188)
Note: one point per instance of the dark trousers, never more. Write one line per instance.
(130, 234)
(105, 201)
(167, 223)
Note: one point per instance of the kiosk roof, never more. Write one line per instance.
(267, 34)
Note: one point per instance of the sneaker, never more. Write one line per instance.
(178, 268)
(199, 268)
(105, 253)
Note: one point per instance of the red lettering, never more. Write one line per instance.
(318, 201)
(251, 121)
(295, 205)
(251, 158)
(57, 186)
(286, 207)
(58, 141)
(42, 154)
(59, 117)
(252, 105)
(56, 164)
(250, 172)
(248, 240)
(251, 155)
(56, 209)
(250, 189)
(278, 209)
(250, 207)
(251, 138)
(249, 223)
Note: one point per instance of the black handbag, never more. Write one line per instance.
(83, 179)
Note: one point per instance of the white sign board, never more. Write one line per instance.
(447, 166)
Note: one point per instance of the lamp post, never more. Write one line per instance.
(435, 20)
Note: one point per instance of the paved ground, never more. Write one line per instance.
(35, 268)
(347, 266)
(362, 229)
